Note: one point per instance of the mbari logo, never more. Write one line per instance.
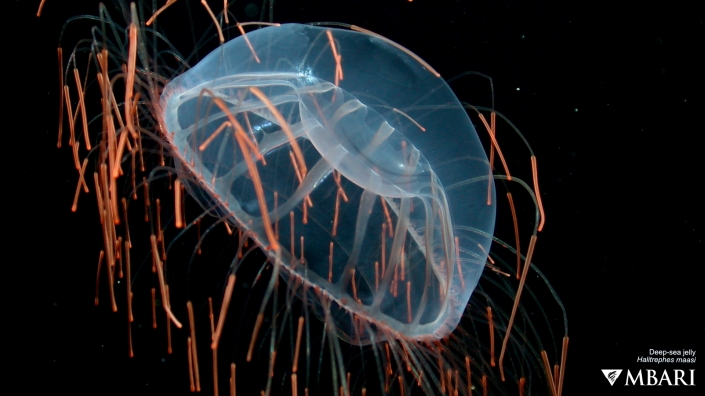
(651, 378)
(611, 374)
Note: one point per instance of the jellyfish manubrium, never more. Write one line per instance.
(351, 165)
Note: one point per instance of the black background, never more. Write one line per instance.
(609, 95)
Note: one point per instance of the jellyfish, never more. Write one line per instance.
(345, 168)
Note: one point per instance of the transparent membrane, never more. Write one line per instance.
(375, 185)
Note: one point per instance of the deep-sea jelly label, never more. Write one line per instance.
(660, 369)
(668, 356)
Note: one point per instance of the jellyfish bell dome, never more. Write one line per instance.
(352, 163)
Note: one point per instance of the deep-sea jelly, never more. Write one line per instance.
(345, 159)
(371, 188)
